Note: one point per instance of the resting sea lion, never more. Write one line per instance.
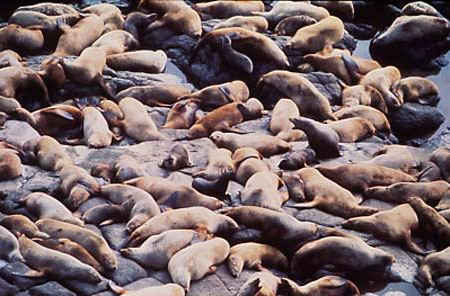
(252, 23)
(433, 266)
(227, 9)
(10, 165)
(249, 167)
(353, 129)
(109, 13)
(298, 159)
(116, 42)
(395, 157)
(441, 157)
(342, 9)
(10, 58)
(417, 90)
(382, 79)
(20, 39)
(363, 95)
(99, 215)
(429, 172)
(163, 290)
(182, 115)
(376, 117)
(37, 20)
(49, 8)
(177, 158)
(136, 22)
(280, 125)
(57, 119)
(325, 286)
(290, 25)
(9, 246)
(219, 164)
(20, 224)
(153, 95)
(138, 61)
(262, 283)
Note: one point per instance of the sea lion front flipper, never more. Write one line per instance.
(303, 205)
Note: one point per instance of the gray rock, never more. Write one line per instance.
(50, 289)
(404, 266)
(12, 272)
(210, 285)
(360, 31)
(127, 271)
(17, 132)
(7, 288)
(86, 289)
(115, 235)
(319, 217)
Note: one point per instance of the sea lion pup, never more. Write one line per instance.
(182, 115)
(174, 195)
(441, 157)
(322, 138)
(49, 8)
(263, 283)
(313, 38)
(325, 286)
(200, 219)
(9, 250)
(77, 185)
(137, 123)
(280, 125)
(95, 244)
(163, 290)
(218, 95)
(290, 25)
(20, 39)
(138, 61)
(75, 39)
(433, 266)
(363, 95)
(227, 9)
(416, 89)
(47, 153)
(434, 224)
(265, 144)
(376, 117)
(395, 157)
(10, 165)
(58, 119)
(116, 42)
(219, 164)
(419, 8)
(265, 189)
(255, 256)
(157, 250)
(311, 103)
(341, 9)
(328, 196)
(395, 225)
(20, 224)
(10, 58)
(353, 129)
(88, 68)
(359, 177)
(284, 9)
(225, 117)
(382, 80)
(110, 14)
(186, 265)
(297, 159)
(55, 263)
(252, 23)
(154, 95)
(45, 206)
(176, 159)
(337, 251)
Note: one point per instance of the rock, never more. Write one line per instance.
(233, 284)
(22, 283)
(127, 271)
(7, 288)
(443, 283)
(360, 31)
(404, 266)
(17, 132)
(210, 285)
(86, 289)
(50, 289)
(115, 235)
(318, 216)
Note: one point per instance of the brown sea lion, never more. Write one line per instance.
(252, 23)
(219, 163)
(153, 95)
(395, 225)
(328, 196)
(290, 25)
(37, 20)
(342, 9)
(139, 61)
(199, 218)
(325, 286)
(177, 158)
(382, 79)
(14, 109)
(109, 13)
(263, 283)
(182, 115)
(126, 168)
(92, 242)
(359, 177)
(9, 58)
(49, 8)
(433, 266)
(441, 157)
(186, 265)
(9, 246)
(255, 256)
(363, 95)
(136, 22)
(20, 224)
(298, 159)
(10, 165)
(57, 119)
(248, 167)
(265, 144)
(376, 117)
(429, 172)
(52, 72)
(353, 129)
(329, 63)
(395, 157)
(228, 9)
(116, 42)
(163, 290)
(21, 40)
(113, 115)
(101, 214)
(280, 125)
(415, 89)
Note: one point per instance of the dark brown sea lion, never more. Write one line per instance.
(177, 158)
(136, 22)
(154, 95)
(109, 13)
(57, 119)
(182, 115)
(20, 39)
(434, 266)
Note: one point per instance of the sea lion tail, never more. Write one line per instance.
(352, 68)
(115, 288)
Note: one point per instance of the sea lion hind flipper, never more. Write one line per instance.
(30, 274)
(115, 288)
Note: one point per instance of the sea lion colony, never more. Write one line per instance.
(55, 234)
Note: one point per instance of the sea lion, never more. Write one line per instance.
(177, 158)
(138, 61)
(290, 25)
(219, 163)
(242, 154)
(328, 196)
(255, 256)
(382, 79)
(376, 117)
(157, 250)
(52, 72)
(37, 20)
(57, 119)
(311, 103)
(395, 225)
(55, 263)
(298, 159)
(252, 23)
(186, 265)
(263, 283)
(140, 208)
(265, 144)
(342, 9)
(249, 167)
(225, 117)
(329, 63)
(429, 172)
(417, 90)
(419, 8)
(95, 129)
(126, 168)
(71, 248)
(92, 242)
(337, 251)
(433, 266)
(201, 219)
(395, 157)
(136, 22)
(163, 290)
(359, 177)
(19, 224)
(325, 286)
(75, 39)
(116, 42)
(363, 95)
(153, 95)
(99, 215)
(10, 58)
(10, 165)
(21, 40)
(353, 129)
(182, 115)
(137, 123)
(45, 206)
(322, 138)
(265, 189)
(280, 126)
(109, 13)
(9, 250)
(113, 115)
(441, 157)
(49, 8)
(227, 9)
(313, 38)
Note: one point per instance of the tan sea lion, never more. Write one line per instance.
(242, 154)
(280, 125)
(376, 117)
(263, 283)
(153, 95)
(359, 177)
(19, 224)
(92, 242)
(182, 115)
(113, 115)
(325, 286)
(434, 266)
(441, 157)
(109, 13)
(228, 9)
(20, 39)
(103, 214)
(415, 89)
(329, 63)
(49, 8)
(10, 58)
(201, 219)
(252, 23)
(138, 61)
(382, 79)
(136, 22)
(57, 119)
(219, 163)
(9, 246)
(255, 256)
(10, 165)
(265, 144)
(353, 129)
(395, 157)
(37, 20)
(14, 109)
(328, 196)
(163, 290)
(177, 158)
(290, 25)
(116, 42)
(126, 168)
(248, 167)
(186, 265)
(363, 95)
(395, 225)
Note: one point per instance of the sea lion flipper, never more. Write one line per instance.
(303, 205)
(352, 68)
(31, 274)
(58, 112)
(229, 129)
(115, 288)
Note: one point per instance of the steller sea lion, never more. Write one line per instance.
(433, 266)
(228, 9)
(441, 157)
(382, 80)
(417, 90)
(280, 125)
(138, 61)
(10, 165)
(163, 290)
(252, 23)
(363, 95)
(10, 58)
(154, 95)
(99, 215)
(136, 22)
(353, 129)
(109, 13)
(57, 119)
(376, 117)
(49, 8)
(395, 157)
(325, 286)
(250, 166)
(52, 72)
(116, 42)
(262, 283)
(298, 159)
(219, 164)
(37, 20)
(429, 172)
(9, 246)
(19, 224)
(342, 9)
(21, 40)
(290, 25)
(182, 115)
(177, 158)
